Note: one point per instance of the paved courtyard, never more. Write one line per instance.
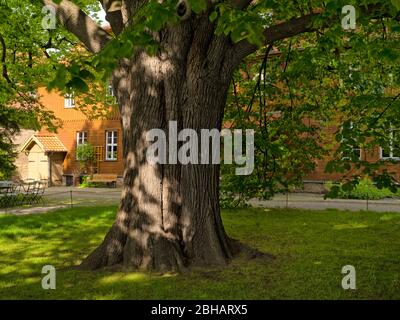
(317, 202)
(83, 196)
(63, 197)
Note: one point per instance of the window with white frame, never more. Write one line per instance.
(392, 151)
(111, 145)
(81, 137)
(352, 150)
(110, 90)
(69, 100)
(33, 94)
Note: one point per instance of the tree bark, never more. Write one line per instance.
(169, 215)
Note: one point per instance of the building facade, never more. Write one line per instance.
(315, 181)
(52, 156)
(76, 128)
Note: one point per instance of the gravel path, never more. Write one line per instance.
(60, 197)
(316, 202)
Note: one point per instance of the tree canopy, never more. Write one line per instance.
(326, 67)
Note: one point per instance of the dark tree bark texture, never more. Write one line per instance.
(169, 215)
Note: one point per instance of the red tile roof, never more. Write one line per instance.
(48, 142)
(51, 143)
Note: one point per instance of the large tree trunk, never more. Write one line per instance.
(169, 215)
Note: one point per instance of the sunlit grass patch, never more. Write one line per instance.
(310, 249)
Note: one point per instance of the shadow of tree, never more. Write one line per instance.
(62, 239)
(309, 255)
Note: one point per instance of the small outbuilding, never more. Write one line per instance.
(45, 154)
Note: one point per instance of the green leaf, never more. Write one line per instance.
(396, 4)
(59, 79)
(213, 16)
(86, 74)
(198, 6)
(77, 84)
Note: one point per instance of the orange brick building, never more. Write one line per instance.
(61, 165)
(316, 179)
(52, 156)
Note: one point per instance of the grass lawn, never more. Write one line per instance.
(311, 247)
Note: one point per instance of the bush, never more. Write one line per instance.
(85, 156)
(364, 190)
(85, 183)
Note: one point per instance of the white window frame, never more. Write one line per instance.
(81, 139)
(69, 100)
(391, 154)
(110, 90)
(33, 94)
(353, 148)
(112, 144)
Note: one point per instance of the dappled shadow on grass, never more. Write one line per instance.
(223, 283)
(310, 252)
(60, 239)
(351, 225)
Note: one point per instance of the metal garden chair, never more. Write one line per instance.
(29, 192)
(17, 194)
(37, 196)
(6, 193)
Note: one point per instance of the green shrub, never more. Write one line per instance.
(85, 183)
(85, 155)
(364, 190)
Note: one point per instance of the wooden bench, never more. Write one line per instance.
(104, 178)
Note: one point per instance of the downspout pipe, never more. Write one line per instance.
(49, 179)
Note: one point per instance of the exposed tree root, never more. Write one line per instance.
(165, 257)
(249, 253)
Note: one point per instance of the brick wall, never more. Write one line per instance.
(96, 131)
(74, 120)
(371, 156)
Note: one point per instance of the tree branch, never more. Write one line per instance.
(81, 25)
(274, 33)
(295, 27)
(113, 14)
(26, 99)
(3, 60)
(241, 4)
